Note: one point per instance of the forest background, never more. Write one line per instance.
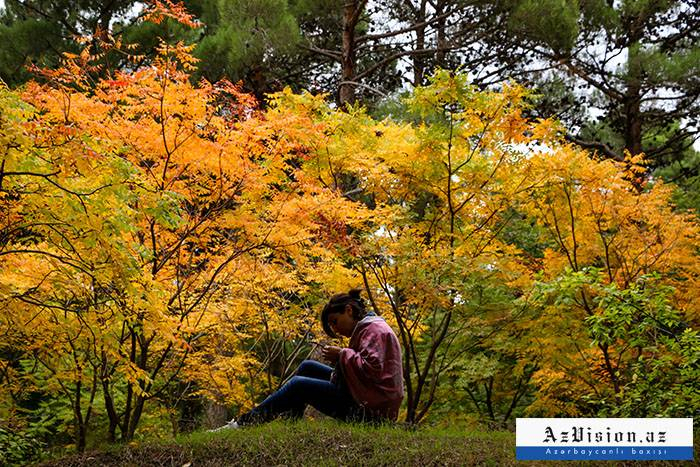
(514, 185)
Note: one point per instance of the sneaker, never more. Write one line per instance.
(231, 425)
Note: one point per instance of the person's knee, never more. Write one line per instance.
(294, 384)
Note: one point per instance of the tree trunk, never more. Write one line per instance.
(441, 35)
(111, 411)
(418, 59)
(351, 15)
(633, 115)
(105, 376)
(80, 437)
(135, 418)
(79, 421)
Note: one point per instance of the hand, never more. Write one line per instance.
(331, 353)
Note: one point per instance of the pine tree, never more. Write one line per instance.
(633, 64)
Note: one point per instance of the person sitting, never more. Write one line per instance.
(366, 382)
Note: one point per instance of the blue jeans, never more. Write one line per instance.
(309, 386)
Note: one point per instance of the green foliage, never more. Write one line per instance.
(459, 205)
(246, 39)
(663, 382)
(18, 447)
(685, 173)
(554, 22)
(656, 353)
(20, 40)
(489, 379)
(40, 31)
(598, 14)
(146, 36)
(659, 378)
(619, 74)
(525, 233)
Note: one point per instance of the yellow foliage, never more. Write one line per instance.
(161, 230)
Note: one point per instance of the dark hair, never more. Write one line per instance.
(337, 305)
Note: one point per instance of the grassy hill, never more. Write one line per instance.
(320, 443)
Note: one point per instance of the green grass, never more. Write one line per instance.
(321, 443)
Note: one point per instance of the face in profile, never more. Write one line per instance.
(342, 323)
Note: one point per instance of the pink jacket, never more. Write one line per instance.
(372, 367)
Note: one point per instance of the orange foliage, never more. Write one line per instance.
(155, 230)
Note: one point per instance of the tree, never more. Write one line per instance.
(425, 32)
(39, 32)
(446, 189)
(247, 41)
(636, 60)
(125, 272)
(47, 246)
(438, 190)
(683, 172)
(609, 238)
(375, 39)
(163, 240)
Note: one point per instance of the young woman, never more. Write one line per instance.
(366, 383)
